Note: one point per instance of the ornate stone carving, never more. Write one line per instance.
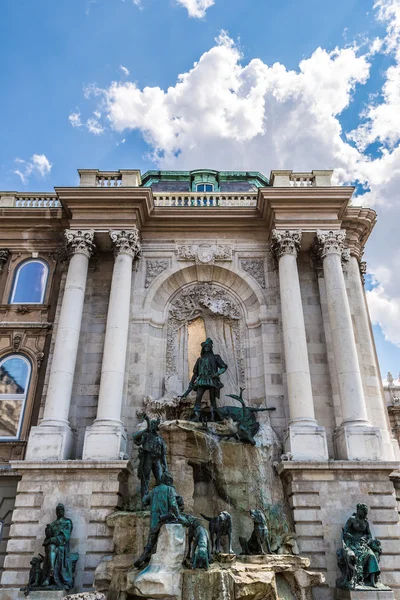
(39, 359)
(285, 242)
(153, 269)
(331, 242)
(126, 242)
(200, 300)
(255, 268)
(363, 270)
(23, 310)
(4, 254)
(17, 341)
(205, 254)
(80, 241)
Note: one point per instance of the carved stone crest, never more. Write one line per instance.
(205, 254)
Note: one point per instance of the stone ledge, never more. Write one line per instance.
(70, 465)
(337, 465)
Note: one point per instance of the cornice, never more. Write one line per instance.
(358, 223)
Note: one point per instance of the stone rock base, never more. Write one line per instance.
(17, 594)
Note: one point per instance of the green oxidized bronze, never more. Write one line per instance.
(163, 503)
(206, 376)
(59, 563)
(245, 417)
(281, 538)
(152, 454)
(358, 559)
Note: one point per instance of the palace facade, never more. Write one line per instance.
(107, 290)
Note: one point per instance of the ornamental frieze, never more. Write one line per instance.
(205, 254)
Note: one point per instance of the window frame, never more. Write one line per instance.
(24, 399)
(205, 183)
(18, 270)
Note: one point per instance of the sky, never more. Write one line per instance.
(186, 84)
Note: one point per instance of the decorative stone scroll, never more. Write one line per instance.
(126, 242)
(255, 268)
(363, 269)
(80, 241)
(154, 268)
(205, 254)
(4, 254)
(285, 242)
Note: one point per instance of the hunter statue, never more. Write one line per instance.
(206, 376)
(152, 454)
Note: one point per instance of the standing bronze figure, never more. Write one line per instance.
(206, 376)
(152, 454)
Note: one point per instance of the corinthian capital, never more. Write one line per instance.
(286, 242)
(126, 242)
(332, 242)
(80, 241)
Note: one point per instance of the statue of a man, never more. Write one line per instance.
(152, 454)
(163, 502)
(58, 565)
(206, 376)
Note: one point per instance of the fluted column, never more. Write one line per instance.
(304, 438)
(53, 438)
(355, 439)
(106, 438)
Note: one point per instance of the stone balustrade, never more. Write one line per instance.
(193, 199)
(121, 178)
(293, 179)
(31, 200)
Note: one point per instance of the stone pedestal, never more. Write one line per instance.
(54, 442)
(103, 440)
(364, 595)
(358, 442)
(162, 578)
(90, 491)
(306, 442)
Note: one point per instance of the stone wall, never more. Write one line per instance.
(8, 490)
(324, 495)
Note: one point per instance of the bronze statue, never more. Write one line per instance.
(219, 527)
(245, 417)
(259, 538)
(152, 454)
(199, 546)
(163, 507)
(358, 559)
(58, 563)
(206, 376)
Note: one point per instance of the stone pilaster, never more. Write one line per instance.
(355, 439)
(53, 438)
(304, 438)
(106, 438)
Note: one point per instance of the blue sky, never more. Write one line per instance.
(297, 84)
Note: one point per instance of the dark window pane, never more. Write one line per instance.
(200, 187)
(14, 373)
(209, 187)
(10, 414)
(30, 283)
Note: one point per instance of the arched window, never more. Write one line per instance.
(15, 373)
(30, 282)
(204, 187)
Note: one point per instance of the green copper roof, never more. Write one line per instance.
(186, 181)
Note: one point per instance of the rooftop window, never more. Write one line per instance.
(204, 187)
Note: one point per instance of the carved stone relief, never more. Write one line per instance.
(153, 269)
(255, 268)
(222, 318)
(205, 254)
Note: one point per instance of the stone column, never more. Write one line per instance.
(52, 439)
(374, 389)
(106, 438)
(303, 438)
(355, 439)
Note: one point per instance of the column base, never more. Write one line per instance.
(104, 440)
(358, 442)
(306, 442)
(50, 442)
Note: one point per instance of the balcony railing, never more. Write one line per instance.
(37, 201)
(193, 200)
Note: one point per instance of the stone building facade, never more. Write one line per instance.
(124, 274)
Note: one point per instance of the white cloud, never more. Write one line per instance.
(124, 70)
(38, 164)
(196, 8)
(75, 119)
(251, 115)
(94, 126)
